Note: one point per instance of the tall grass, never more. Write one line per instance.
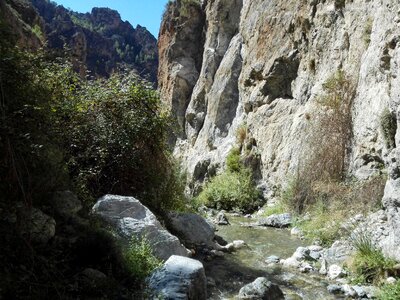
(369, 264)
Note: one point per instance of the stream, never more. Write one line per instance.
(235, 270)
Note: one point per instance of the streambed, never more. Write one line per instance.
(233, 271)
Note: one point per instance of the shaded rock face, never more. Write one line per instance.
(100, 41)
(22, 18)
(263, 66)
(180, 278)
(131, 219)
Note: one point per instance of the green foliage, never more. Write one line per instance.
(231, 190)
(390, 291)
(38, 31)
(272, 210)
(333, 203)
(233, 160)
(82, 22)
(369, 264)
(104, 136)
(389, 128)
(140, 259)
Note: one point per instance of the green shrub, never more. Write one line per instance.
(114, 135)
(140, 259)
(369, 264)
(233, 163)
(389, 128)
(231, 190)
(390, 291)
(272, 210)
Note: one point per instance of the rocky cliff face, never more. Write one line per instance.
(260, 67)
(99, 42)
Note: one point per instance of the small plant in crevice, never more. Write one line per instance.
(368, 31)
(241, 134)
(388, 128)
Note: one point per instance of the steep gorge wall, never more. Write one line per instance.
(263, 67)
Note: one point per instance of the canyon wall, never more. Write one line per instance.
(259, 67)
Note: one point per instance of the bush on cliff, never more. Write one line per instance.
(233, 189)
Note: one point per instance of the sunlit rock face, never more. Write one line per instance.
(263, 67)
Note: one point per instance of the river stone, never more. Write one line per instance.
(130, 218)
(273, 259)
(336, 271)
(221, 219)
(298, 259)
(180, 278)
(192, 229)
(235, 245)
(339, 252)
(276, 220)
(296, 231)
(335, 289)
(261, 289)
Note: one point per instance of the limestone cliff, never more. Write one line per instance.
(261, 65)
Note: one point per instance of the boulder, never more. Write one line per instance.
(92, 279)
(192, 229)
(65, 203)
(130, 218)
(276, 220)
(180, 278)
(261, 289)
(38, 226)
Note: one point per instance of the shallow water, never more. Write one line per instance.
(237, 269)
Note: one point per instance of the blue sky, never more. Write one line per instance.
(147, 13)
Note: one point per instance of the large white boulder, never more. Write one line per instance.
(130, 218)
(180, 278)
